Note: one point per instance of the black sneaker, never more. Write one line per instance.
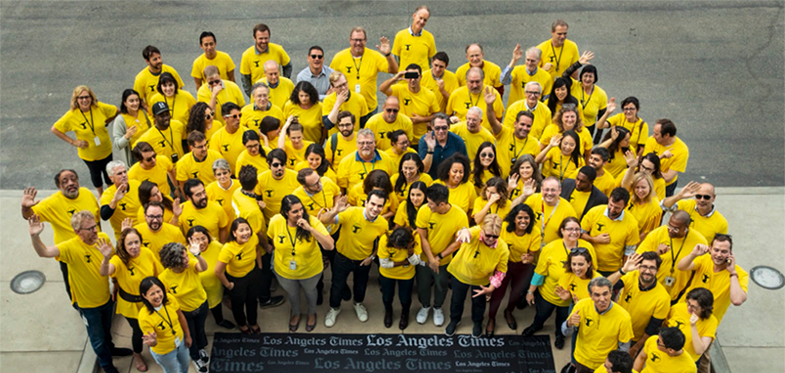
(119, 351)
(274, 301)
(226, 324)
(204, 357)
(477, 329)
(559, 342)
(451, 327)
(528, 332)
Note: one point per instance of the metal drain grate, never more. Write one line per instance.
(767, 277)
(28, 282)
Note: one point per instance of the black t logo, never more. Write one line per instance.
(627, 298)
(310, 206)
(512, 148)
(239, 256)
(162, 143)
(431, 224)
(256, 122)
(256, 63)
(468, 104)
(84, 125)
(589, 321)
(679, 324)
(705, 278)
(476, 254)
(146, 244)
(87, 258)
(220, 201)
(572, 287)
(654, 357)
(552, 58)
(131, 269)
(226, 147)
(407, 46)
(280, 239)
(348, 69)
(190, 222)
(362, 175)
(339, 151)
(161, 325)
(195, 174)
(356, 228)
(173, 289)
(152, 88)
(516, 192)
(269, 192)
(539, 215)
(291, 161)
(599, 226)
(406, 102)
(71, 212)
(122, 206)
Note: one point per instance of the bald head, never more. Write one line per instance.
(391, 108)
(681, 216)
(271, 72)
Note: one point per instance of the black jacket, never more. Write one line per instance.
(596, 197)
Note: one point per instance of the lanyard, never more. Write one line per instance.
(365, 169)
(558, 60)
(170, 135)
(324, 197)
(290, 238)
(357, 68)
(543, 223)
(562, 170)
(673, 259)
(515, 151)
(174, 101)
(90, 122)
(171, 325)
(474, 103)
(567, 251)
(588, 99)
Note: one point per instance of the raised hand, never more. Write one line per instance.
(690, 190)
(575, 319)
(384, 48)
(633, 263)
(104, 246)
(130, 132)
(430, 140)
(611, 105)
(555, 140)
(517, 53)
(693, 319)
(490, 96)
(119, 194)
(28, 197)
(463, 236)
(700, 249)
(36, 227)
(177, 209)
(302, 223)
(528, 187)
(662, 248)
(586, 57)
(127, 223)
(150, 339)
(512, 181)
(631, 159)
(563, 293)
(194, 247)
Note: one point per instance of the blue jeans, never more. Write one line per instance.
(99, 329)
(175, 361)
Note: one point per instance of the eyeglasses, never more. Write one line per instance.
(647, 268)
(214, 82)
(572, 229)
(579, 250)
(83, 97)
(703, 196)
(345, 125)
(361, 143)
(208, 116)
(486, 155)
(533, 93)
(94, 227)
(672, 228)
(391, 110)
(629, 109)
(647, 169)
(357, 40)
(155, 217)
(441, 128)
(235, 116)
(150, 159)
(317, 56)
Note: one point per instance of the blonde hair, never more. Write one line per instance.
(358, 29)
(79, 89)
(637, 178)
(492, 224)
(334, 76)
(80, 217)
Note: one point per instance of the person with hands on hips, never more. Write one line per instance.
(164, 326)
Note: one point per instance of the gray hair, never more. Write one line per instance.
(259, 85)
(221, 163)
(365, 132)
(271, 63)
(111, 166)
(475, 109)
(529, 84)
(536, 51)
(78, 218)
(475, 69)
(600, 282)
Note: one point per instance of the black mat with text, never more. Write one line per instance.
(378, 353)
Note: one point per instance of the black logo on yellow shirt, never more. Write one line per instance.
(269, 192)
(563, 263)
(87, 258)
(407, 46)
(476, 254)
(239, 256)
(173, 289)
(161, 325)
(162, 143)
(406, 101)
(599, 226)
(256, 122)
(468, 104)
(291, 161)
(310, 206)
(654, 357)
(431, 224)
(152, 87)
(627, 298)
(382, 135)
(190, 222)
(363, 203)
(220, 201)
(195, 174)
(523, 84)
(572, 287)
(338, 151)
(362, 175)
(589, 321)
(256, 63)
(71, 212)
(122, 206)
(679, 324)
(226, 147)
(84, 125)
(146, 244)
(552, 58)
(516, 192)
(131, 269)
(705, 278)
(356, 228)
(348, 69)
(281, 238)
(539, 215)
(555, 164)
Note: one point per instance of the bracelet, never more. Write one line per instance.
(198, 254)
(529, 292)
(621, 271)
(734, 275)
(388, 54)
(429, 152)
(440, 256)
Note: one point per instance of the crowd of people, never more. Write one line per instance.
(551, 195)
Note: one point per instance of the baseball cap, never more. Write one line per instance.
(160, 107)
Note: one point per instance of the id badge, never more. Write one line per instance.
(97, 141)
(357, 88)
(669, 281)
(292, 265)
(177, 341)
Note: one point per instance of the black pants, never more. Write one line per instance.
(218, 313)
(98, 168)
(404, 292)
(330, 256)
(670, 189)
(136, 336)
(243, 295)
(265, 279)
(195, 320)
(459, 290)
(544, 311)
(342, 267)
(64, 270)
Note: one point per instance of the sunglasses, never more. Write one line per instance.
(214, 82)
(391, 110)
(486, 155)
(579, 250)
(441, 128)
(235, 116)
(317, 56)
(208, 116)
(703, 196)
(276, 165)
(491, 236)
(148, 160)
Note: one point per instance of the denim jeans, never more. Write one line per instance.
(342, 267)
(99, 329)
(175, 361)
(195, 320)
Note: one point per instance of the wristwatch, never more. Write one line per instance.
(440, 256)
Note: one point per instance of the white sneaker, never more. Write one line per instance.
(329, 320)
(422, 315)
(438, 317)
(362, 313)
(200, 366)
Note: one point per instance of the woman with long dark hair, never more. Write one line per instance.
(492, 199)
(524, 171)
(485, 166)
(316, 159)
(164, 326)
(399, 253)
(454, 174)
(304, 105)
(129, 126)
(694, 318)
(560, 96)
(149, 191)
(650, 165)
(617, 141)
(410, 170)
(254, 154)
(202, 119)
(562, 157)
(198, 235)
(298, 258)
(238, 268)
(406, 216)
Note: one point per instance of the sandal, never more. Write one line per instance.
(310, 327)
(139, 363)
(256, 329)
(294, 326)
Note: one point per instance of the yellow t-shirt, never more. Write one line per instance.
(492, 73)
(590, 103)
(660, 362)
(450, 85)
(57, 209)
(126, 208)
(578, 200)
(357, 197)
(475, 262)
(386, 251)
(247, 208)
(463, 196)
(549, 227)
(166, 142)
(239, 259)
(402, 217)
(273, 191)
(295, 259)
(154, 241)
(413, 49)
(396, 159)
(709, 225)
(259, 162)
(295, 156)
(679, 317)
(252, 63)
(212, 217)
(542, 117)
(210, 282)
(381, 129)
(185, 286)
(179, 106)
(422, 103)
(190, 168)
(441, 229)
(472, 140)
(479, 203)
(648, 215)
(519, 245)
(717, 282)
(605, 183)
(643, 305)
(509, 147)
(227, 145)
(361, 72)
(146, 83)
(617, 165)
(355, 104)
(461, 100)
(403, 195)
(88, 288)
(162, 323)
(578, 287)
(560, 165)
(520, 77)
(90, 127)
(142, 122)
(230, 93)
(130, 276)
(678, 161)
(252, 118)
(680, 247)
(323, 200)
(281, 93)
(584, 135)
(352, 169)
(623, 232)
(639, 131)
(222, 61)
(358, 233)
(343, 147)
(310, 118)
(223, 196)
(158, 174)
(560, 58)
(550, 264)
(600, 334)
